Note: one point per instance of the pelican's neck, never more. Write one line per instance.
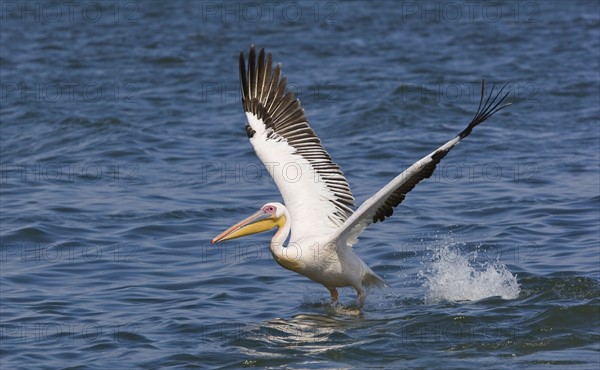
(283, 231)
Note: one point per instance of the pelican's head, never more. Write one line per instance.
(269, 216)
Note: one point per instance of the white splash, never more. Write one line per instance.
(454, 276)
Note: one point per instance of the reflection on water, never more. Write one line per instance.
(310, 333)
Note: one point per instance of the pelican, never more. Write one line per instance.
(318, 214)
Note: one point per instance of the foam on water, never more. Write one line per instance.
(457, 276)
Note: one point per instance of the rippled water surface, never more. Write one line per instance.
(124, 152)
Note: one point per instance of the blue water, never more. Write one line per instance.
(123, 153)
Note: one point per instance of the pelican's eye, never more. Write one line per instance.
(269, 209)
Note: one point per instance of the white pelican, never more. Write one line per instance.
(318, 205)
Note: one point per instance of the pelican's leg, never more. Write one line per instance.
(334, 295)
(360, 298)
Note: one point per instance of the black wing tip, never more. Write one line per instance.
(243, 81)
(248, 73)
(378, 218)
(265, 94)
(487, 109)
(252, 52)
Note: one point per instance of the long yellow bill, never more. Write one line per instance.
(258, 222)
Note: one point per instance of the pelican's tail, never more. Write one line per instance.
(371, 279)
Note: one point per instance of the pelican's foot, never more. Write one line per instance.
(334, 295)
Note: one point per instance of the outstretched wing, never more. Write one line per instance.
(381, 205)
(313, 187)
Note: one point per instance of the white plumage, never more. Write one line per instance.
(318, 201)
